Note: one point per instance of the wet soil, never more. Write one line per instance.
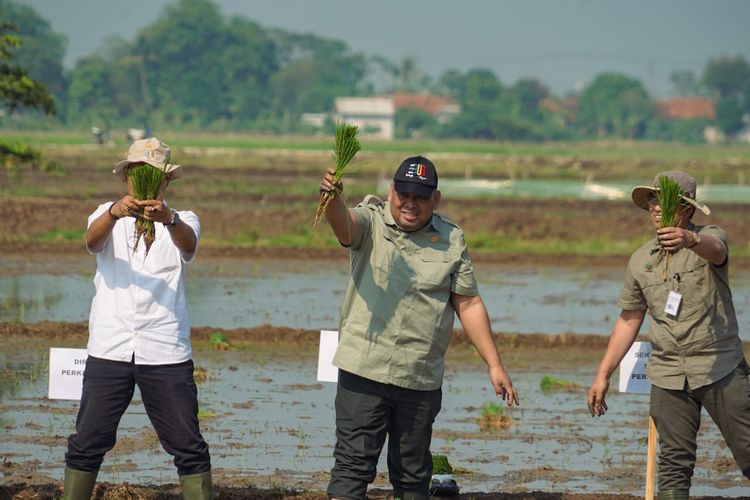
(242, 209)
(529, 353)
(64, 204)
(119, 491)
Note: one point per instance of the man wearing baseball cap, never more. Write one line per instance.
(139, 333)
(410, 273)
(681, 279)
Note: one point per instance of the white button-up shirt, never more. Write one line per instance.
(139, 307)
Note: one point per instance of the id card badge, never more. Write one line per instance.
(673, 303)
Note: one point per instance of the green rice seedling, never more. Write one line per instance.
(493, 417)
(206, 415)
(219, 342)
(492, 409)
(440, 465)
(550, 383)
(149, 183)
(668, 196)
(346, 145)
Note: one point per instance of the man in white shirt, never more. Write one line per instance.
(139, 333)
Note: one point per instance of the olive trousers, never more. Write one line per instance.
(677, 416)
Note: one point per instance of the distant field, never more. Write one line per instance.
(260, 197)
(609, 149)
(598, 161)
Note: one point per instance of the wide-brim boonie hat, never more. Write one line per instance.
(641, 194)
(152, 152)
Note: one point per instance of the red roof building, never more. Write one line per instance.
(686, 108)
(440, 107)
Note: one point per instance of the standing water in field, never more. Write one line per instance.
(268, 422)
(296, 295)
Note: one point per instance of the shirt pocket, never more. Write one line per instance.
(655, 292)
(695, 288)
(692, 285)
(434, 268)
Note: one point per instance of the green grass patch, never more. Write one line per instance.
(48, 137)
(478, 243)
(61, 235)
(295, 238)
(549, 383)
(485, 242)
(588, 149)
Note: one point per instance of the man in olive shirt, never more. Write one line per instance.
(696, 359)
(410, 272)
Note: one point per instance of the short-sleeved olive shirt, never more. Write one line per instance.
(397, 316)
(701, 343)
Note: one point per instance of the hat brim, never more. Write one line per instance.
(120, 167)
(641, 194)
(413, 187)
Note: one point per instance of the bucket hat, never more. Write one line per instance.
(641, 194)
(152, 152)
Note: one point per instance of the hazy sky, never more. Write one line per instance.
(563, 43)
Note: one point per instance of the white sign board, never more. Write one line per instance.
(633, 368)
(329, 341)
(66, 372)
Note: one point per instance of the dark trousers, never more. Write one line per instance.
(169, 396)
(367, 411)
(677, 415)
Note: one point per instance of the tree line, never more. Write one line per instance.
(193, 68)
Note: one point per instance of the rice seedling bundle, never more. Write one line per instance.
(669, 196)
(148, 184)
(346, 145)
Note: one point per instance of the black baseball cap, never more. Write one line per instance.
(416, 174)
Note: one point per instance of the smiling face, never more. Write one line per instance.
(411, 211)
(682, 217)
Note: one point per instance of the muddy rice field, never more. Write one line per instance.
(269, 422)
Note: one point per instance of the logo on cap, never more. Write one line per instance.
(416, 175)
(418, 170)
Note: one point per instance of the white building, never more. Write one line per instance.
(315, 119)
(372, 115)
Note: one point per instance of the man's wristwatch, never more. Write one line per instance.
(696, 240)
(175, 219)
